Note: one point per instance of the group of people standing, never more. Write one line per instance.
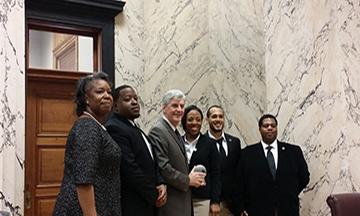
(113, 168)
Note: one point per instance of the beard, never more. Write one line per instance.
(216, 129)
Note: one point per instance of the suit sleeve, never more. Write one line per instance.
(129, 167)
(159, 179)
(303, 175)
(171, 176)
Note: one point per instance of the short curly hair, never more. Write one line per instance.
(267, 116)
(83, 85)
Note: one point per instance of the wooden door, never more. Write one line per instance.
(50, 114)
(49, 93)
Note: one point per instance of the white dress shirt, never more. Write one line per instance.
(274, 150)
(190, 147)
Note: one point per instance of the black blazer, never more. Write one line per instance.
(260, 193)
(228, 170)
(207, 154)
(139, 173)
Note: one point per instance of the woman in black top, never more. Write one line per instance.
(201, 150)
(91, 182)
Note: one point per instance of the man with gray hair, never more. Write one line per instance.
(172, 160)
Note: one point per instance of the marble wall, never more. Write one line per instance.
(199, 47)
(312, 64)
(237, 55)
(299, 60)
(12, 105)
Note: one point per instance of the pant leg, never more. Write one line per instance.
(201, 207)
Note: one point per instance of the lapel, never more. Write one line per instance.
(174, 136)
(137, 131)
(229, 142)
(281, 158)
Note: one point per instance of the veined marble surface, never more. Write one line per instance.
(217, 52)
(313, 86)
(237, 52)
(189, 45)
(12, 105)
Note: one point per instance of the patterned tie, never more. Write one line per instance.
(271, 161)
(221, 148)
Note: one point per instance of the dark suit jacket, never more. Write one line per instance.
(228, 171)
(138, 170)
(174, 169)
(260, 193)
(207, 155)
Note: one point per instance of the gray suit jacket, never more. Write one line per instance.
(174, 169)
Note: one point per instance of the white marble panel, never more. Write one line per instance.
(201, 48)
(312, 69)
(12, 105)
(130, 35)
(176, 52)
(237, 51)
(129, 45)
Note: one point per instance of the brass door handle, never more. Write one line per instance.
(27, 199)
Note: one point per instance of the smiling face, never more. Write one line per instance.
(127, 104)
(216, 120)
(174, 111)
(268, 130)
(98, 98)
(193, 123)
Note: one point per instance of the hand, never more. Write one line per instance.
(162, 197)
(197, 179)
(215, 209)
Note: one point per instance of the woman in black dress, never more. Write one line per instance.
(200, 149)
(91, 182)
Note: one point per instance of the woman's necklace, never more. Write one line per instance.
(91, 116)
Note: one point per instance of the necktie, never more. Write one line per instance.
(221, 148)
(179, 136)
(271, 161)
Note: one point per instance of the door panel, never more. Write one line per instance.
(45, 207)
(50, 114)
(54, 114)
(50, 165)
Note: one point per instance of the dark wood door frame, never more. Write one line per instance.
(94, 14)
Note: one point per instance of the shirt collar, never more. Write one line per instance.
(274, 145)
(212, 137)
(167, 120)
(132, 123)
(193, 142)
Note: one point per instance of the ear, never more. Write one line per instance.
(115, 107)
